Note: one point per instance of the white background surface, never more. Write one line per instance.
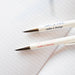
(19, 15)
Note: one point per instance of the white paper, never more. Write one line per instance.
(17, 16)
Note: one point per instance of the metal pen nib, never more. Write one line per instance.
(25, 48)
(32, 30)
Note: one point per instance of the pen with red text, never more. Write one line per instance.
(60, 41)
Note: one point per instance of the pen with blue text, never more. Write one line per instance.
(54, 26)
(70, 40)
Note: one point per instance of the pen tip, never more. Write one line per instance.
(25, 48)
(32, 30)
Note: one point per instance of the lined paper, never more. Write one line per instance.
(17, 17)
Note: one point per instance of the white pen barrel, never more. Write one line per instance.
(65, 40)
(58, 25)
(69, 23)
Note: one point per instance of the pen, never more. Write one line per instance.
(54, 26)
(64, 41)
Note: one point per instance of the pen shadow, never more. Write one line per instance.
(36, 51)
(69, 47)
(47, 35)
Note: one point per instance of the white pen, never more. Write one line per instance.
(60, 41)
(58, 25)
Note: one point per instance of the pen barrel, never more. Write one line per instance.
(65, 40)
(58, 25)
(69, 23)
